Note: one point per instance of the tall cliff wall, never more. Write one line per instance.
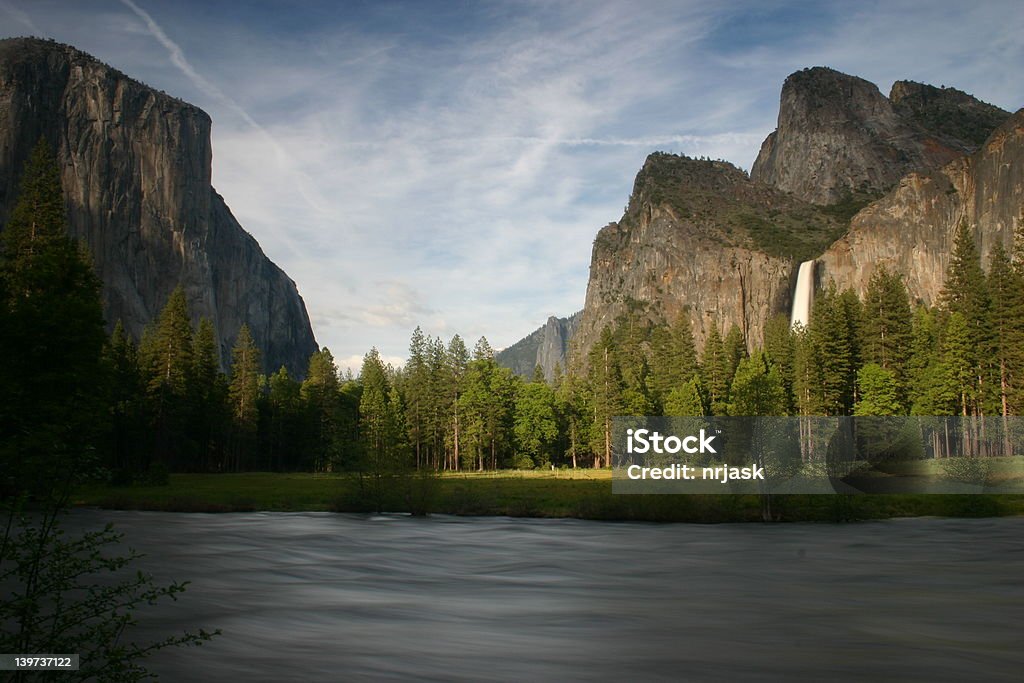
(838, 135)
(700, 238)
(135, 166)
(911, 229)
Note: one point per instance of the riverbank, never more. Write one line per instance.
(582, 494)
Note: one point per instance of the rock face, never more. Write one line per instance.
(838, 136)
(547, 347)
(911, 229)
(135, 166)
(700, 238)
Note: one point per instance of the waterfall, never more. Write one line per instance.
(803, 295)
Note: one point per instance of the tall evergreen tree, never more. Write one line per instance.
(284, 437)
(51, 336)
(244, 393)
(735, 350)
(715, 376)
(320, 392)
(207, 397)
(1006, 291)
(417, 385)
(886, 331)
(606, 387)
(673, 358)
(779, 346)
(457, 360)
(167, 363)
(832, 335)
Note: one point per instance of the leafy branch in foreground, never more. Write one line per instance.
(70, 596)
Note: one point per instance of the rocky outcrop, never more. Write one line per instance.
(838, 136)
(135, 166)
(546, 347)
(911, 229)
(700, 239)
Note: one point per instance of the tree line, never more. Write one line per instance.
(164, 404)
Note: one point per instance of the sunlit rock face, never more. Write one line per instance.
(135, 167)
(837, 135)
(911, 229)
(703, 239)
(700, 238)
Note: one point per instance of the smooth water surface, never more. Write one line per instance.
(319, 596)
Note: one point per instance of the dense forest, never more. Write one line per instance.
(165, 405)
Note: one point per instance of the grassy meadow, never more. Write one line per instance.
(583, 493)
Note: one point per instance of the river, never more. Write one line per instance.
(322, 597)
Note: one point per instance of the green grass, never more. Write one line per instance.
(584, 494)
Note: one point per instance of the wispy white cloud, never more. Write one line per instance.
(452, 172)
(20, 17)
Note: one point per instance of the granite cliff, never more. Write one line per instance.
(135, 167)
(547, 347)
(838, 136)
(911, 228)
(702, 238)
(699, 237)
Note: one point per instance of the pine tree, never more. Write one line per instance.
(126, 405)
(779, 346)
(963, 290)
(244, 394)
(1006, 291)
(965, 293)
(454, 374)
(735, 350)
(51, 337)
(320, 393)
(381, 427)
(284, 437)
(715, 377)
(606, 387)
(673, 358)
(833, 355)
(416, 386)
(207, 397)
(887, 333)
(166, 359)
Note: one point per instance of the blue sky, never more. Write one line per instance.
(448, 164)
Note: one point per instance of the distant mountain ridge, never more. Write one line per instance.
(136, 171)
(546, 347)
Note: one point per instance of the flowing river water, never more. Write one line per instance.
(324, 597)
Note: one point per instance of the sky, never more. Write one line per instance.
(448, 164)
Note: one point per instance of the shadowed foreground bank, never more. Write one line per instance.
(583, 494)
(325, 597)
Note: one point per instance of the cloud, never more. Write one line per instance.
(21, 17)
(414, 163)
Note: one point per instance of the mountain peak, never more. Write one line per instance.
(838, 136)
